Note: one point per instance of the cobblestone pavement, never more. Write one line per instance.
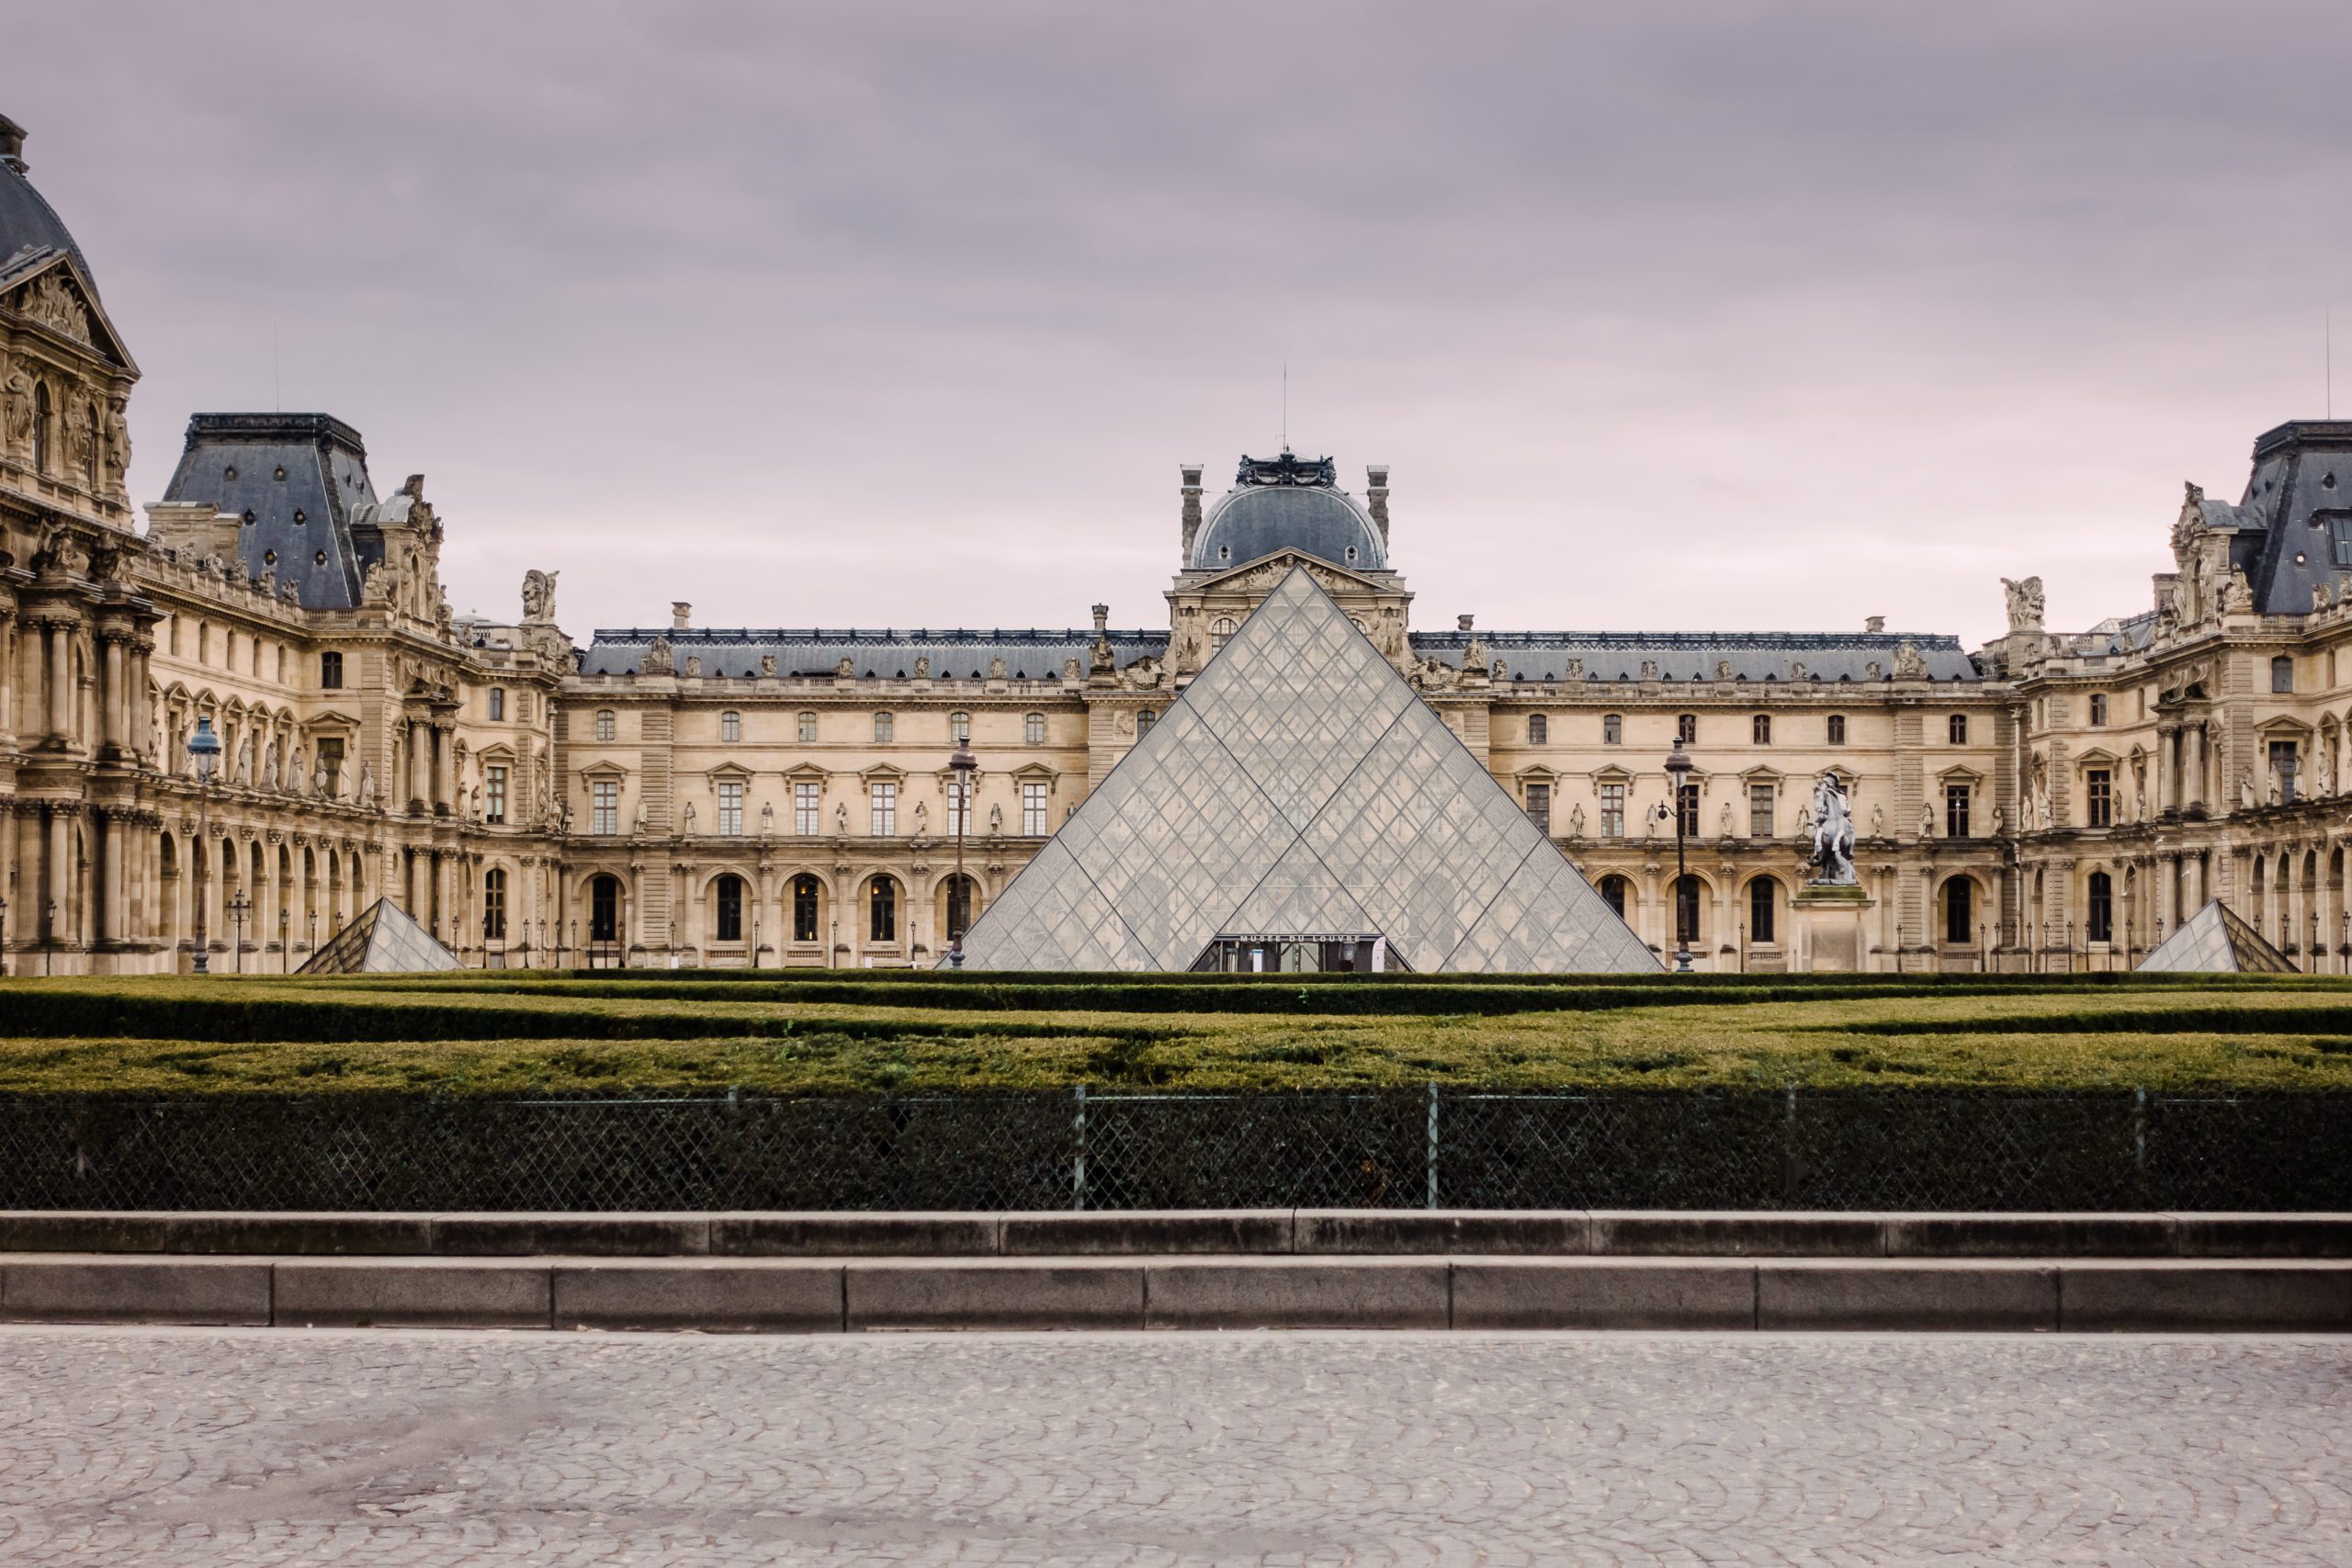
(181, 1446)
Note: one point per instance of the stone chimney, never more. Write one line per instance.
(1874, 626)
(682, 614)
(12, 144)
(1375, 496)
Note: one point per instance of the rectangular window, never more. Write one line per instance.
(1033, 810)
(1760, 729)
(604, 724)
(495, 793)
(1612, 811)
(2340, 530)
(883, 808)
(885, 727)
(958, 813)
(1836, 729)
(2099, 797)
(1539, 806)
(606, 796)
(1612, 730)
(2282, 673)
(1686, 728)
(808, 728)
(1956, 729)
(493, 907)
(330, 671)
(2099, 709)
(1956, 811)
(498, 704)
(731, 808)
(730, 727)
(1687, 815)
(959, 729)
(1033, 729)
(1761, 800)
(1539, 729)
(807, 801)
(2282, 769)
(331, 766)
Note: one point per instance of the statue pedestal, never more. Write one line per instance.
(1827, 928)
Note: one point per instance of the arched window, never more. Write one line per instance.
(808, 728)
(730, 908)
(1960, 912)
(1760, 729)
(1613, 892)
(731, 726)
(493, 905)
(605, 909)
(1686, 909)
(1032, 728)
(1539, 729)
(2099, 913)
(604, 724)
(1761, 910)
(497, 704)
(1219, 629)
(1612, 730)
(960, 905)
(882, 911)
(959, 729)
(40, 427)
(803, 908)
(1956, 728)
(1836, 729)
(885, 726)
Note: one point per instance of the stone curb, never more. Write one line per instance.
(1223, 1233)
(1189, 1292)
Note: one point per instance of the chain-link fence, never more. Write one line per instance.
(1793, 1150)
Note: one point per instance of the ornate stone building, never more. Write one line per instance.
(701, 795)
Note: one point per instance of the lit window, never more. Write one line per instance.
(1612, 730)
(731, 808)
(2098, 797)
(495, 793)
(1612, 810)
(493, 905)
(883, 924)
(959, 729)
(604, 724)
(883, 809)
(497, 704)
(731, 726)
(1761, 800)
(605, 810)
(1032, 728)
(807, 728)
(1539, 729)
(807, 803)
(1539, 806)
(1033, 810)
(803, 908)
(1760, 730)
(1956, 728)
(886, 727)
(1836, 729)
(330, 669)
(1956, 796)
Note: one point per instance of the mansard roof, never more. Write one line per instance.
(964, 654)
(1693, 656)
(233, 460)
(31, 230)
(1287, 503)
(2299, 488)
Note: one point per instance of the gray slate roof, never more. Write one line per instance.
(961, 655)
(30, 230)
(2299, 490)
(1248, 525)
(325, 489)
(1692, 656)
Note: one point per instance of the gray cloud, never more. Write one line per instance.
(1711, 315)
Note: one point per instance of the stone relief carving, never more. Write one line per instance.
(657, 659)
(1069, 670)
(693, 665)
(767, 666)
(1722, 668)
(51, 300)
(922, 667)
(1649, 668)
(1908, 664)
(997, 668)
(846, 670)
(1576, 669)
(81, 439)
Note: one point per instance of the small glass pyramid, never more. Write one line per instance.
(2214, 941)
(1299, 785)
(380, 940)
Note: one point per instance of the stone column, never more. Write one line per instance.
(59, 890)
(444, 779)
(61, 682)
(8, 854)
(2199, 745)
(115, 722)
(112, 824)
(298, 928)
(12, 650)
(420, 758)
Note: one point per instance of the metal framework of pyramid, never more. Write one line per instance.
(380, 940)
(1298, 786)
(2214, 941)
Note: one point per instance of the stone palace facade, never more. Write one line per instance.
(727, 796)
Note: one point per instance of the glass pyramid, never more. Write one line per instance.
(380, 940)
(1299, 785)
(2214, 941)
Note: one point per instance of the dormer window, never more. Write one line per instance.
(1352, 554)
(1224, 552)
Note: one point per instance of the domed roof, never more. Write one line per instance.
(1283, 504)
(30, 226)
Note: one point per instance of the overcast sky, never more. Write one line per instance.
(1708, 315)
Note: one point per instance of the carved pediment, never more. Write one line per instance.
(57, 297)
(1262, 575)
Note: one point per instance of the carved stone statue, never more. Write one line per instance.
(16, 409)
(693, 665)
(1797, 670)
(1927, 820)
(768, 665)
(1576, 669)
(841, 819)
(996, 818)
(1908, 665)
(657, 659)
(996, 668)
(377, 586)
(767, 819)
(1833, 835)
(118, 457)
(1877, 821)
(2245, 789)
(1649, 668)
(1576, 820)
(690, 819)
(244, 773)
(366, 786)
(269, 773)
(922, 667)
(80, 438)
(2025, 603)
(1722, 819)
(1069, 670)
(539, 595)
(319, 780)
(1722, 668)
(2000, 819)
(846, 670)
(923, 820)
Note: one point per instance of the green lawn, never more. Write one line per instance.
(822, 1032)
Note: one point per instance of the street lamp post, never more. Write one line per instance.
(203, 753)
(3, 936)
(284, 951)
(238, 907)
(51, 945)
(959, 897)
(1678, 773)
